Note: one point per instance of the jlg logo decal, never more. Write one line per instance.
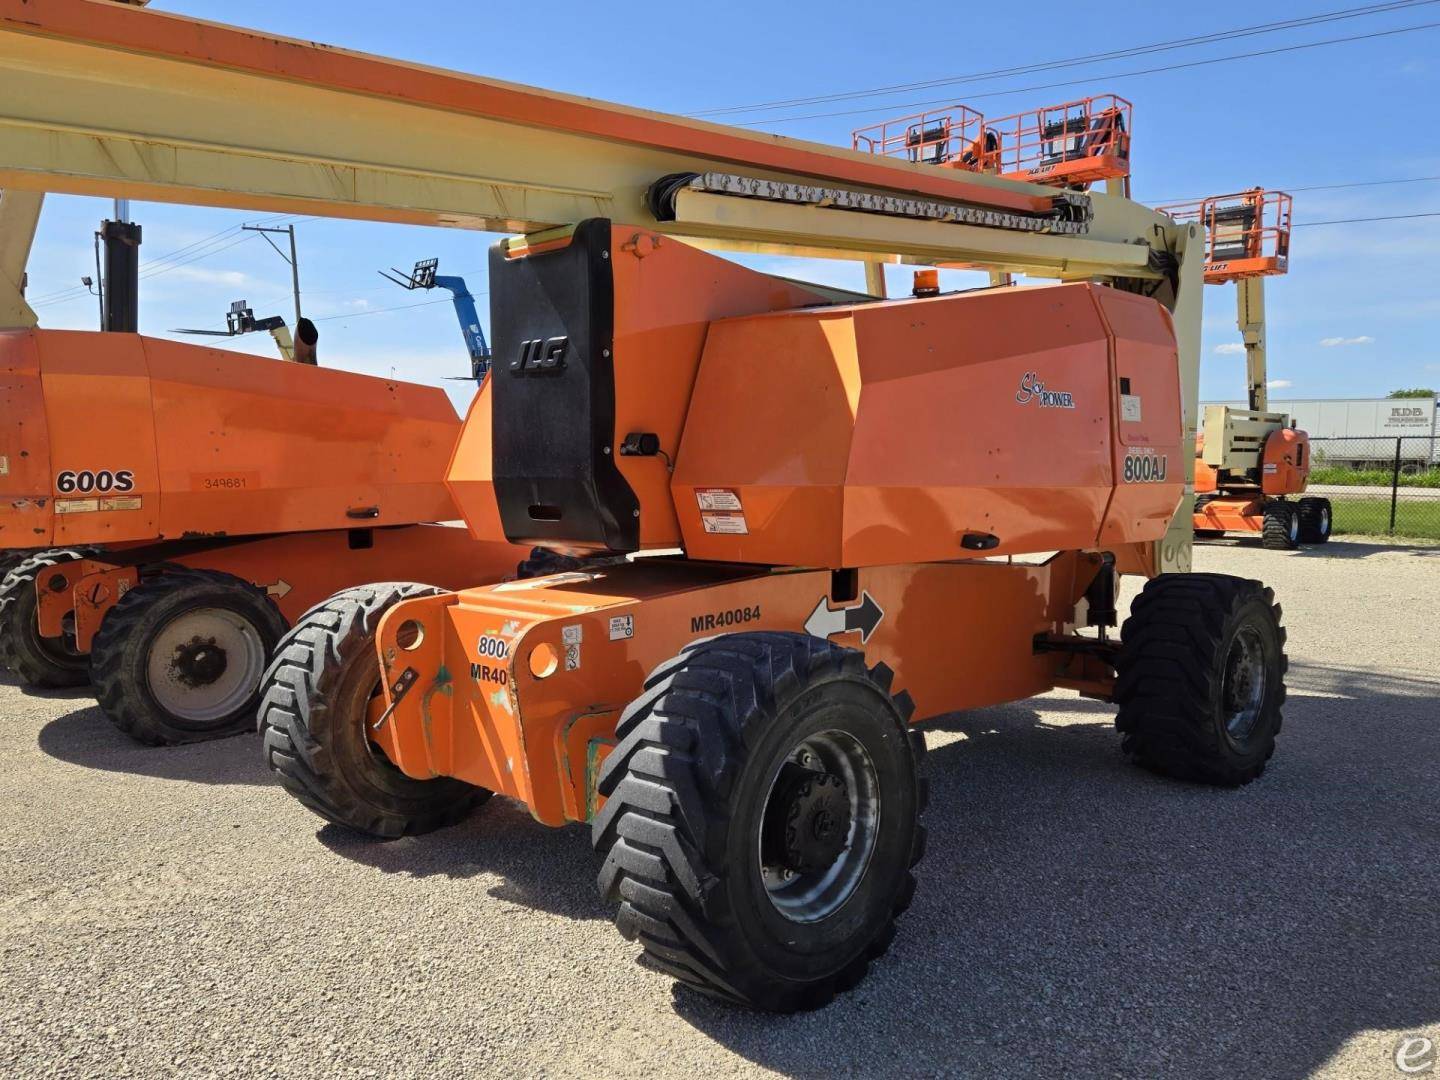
(540, 355)
(85, 481)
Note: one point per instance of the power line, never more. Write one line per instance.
(1051, 65)
(1111, 76)
(1314, 187)
(386, 311)
(193, 252)
(1353, 220)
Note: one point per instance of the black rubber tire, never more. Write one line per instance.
(686, 787)
(1316, 521)
(1171, 678)
(8, 563)
(312, 721)
(1282, 527)
(1209, 534)
(120, 653)
(39, 662)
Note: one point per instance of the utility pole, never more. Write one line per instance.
(293, 258)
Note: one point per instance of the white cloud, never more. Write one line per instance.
(1334, 342)
(1279, 384)
(1231, 348)
(200, 275)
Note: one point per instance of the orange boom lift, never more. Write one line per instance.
(799, 521)
(186, 505)
(1073, 144)
(1250, 461)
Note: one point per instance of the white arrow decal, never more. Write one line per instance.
(279, 590)
(864, 617)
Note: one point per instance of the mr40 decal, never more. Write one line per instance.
(86, 481)
(1146, 468)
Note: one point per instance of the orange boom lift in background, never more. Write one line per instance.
(185, 505)
(800, 521)
(1249, 461)
(1073, 144)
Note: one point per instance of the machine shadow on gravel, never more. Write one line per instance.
(543, 868)
(87, 738)
(1338, 548)
(83, 693)
(1076, 914)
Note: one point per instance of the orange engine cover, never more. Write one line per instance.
(997, 422)
(106, 438)
(1285, 463)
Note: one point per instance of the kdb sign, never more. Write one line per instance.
(1407, 418)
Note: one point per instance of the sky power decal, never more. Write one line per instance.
(1032, 389)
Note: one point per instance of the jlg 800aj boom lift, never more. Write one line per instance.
(1249, 460)
(887, 510)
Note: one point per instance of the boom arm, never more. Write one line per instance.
(469, 318)
(19, 215)
(107, 99)
(1250, 319)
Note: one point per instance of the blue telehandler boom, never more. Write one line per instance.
(425, 276)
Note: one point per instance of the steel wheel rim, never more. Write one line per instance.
(1293, 527)
(64, 650)
(1325, 521)
(1243, 689)
(205, 664)
(808, 897)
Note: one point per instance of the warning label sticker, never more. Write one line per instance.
(1130, 408)
(76, 506)
(122, 502)
(571, 638)
(622, 627)
(718, 499)
(725, 524)
(4, 465)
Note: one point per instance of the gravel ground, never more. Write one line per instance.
(173, 912)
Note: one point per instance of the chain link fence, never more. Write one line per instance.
(1380, 486)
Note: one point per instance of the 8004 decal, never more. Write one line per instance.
(86, 481)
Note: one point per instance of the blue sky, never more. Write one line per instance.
(1358, 314)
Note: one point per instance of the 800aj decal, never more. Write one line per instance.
(1148, 468)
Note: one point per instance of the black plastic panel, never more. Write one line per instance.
(553, 381)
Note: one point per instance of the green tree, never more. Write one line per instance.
(1418, 391)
